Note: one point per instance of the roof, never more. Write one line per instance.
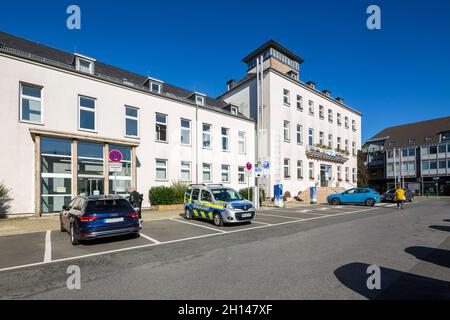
(400, 136)
(61, 58)
(276, 46)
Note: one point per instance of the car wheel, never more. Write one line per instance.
(188, 214)
(336, 201)
(73, 236)
(217, 218)
(370, 202)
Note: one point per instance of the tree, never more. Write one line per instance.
(363, 176)
(5, 199)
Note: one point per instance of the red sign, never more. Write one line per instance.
(249, 166)
(115, 156)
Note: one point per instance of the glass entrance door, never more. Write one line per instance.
(90, 186)
(325, 175)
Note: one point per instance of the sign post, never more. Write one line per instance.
(116, 157)
(248, 168)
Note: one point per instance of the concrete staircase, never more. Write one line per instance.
(322, 194)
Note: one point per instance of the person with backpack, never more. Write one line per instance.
(400, 197)
(135, 199)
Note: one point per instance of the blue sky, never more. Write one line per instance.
(395, 75)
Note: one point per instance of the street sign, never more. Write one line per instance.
(258, 172)
(115, 167)
(115, 156)
(249, 166)
(266, 165)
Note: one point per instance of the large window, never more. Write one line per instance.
(330, 141)
(90, 169)
(311, 170)
(311, 136)
(330, 115)
(311, 107)
(185, 171)
(56, 174)
(161, 170)
(185, 132)
(87, 111)
(321, 138)
(299, 134)
(287, 168)
(206, 136)
(31, 103)
(286, 131)
(225, 173)
(339, 143)
(207, 172)
(339, 119)
(321, 112)
(161, 127)
(241, 142)
(225, 139)
(121, 181)
(131, 122)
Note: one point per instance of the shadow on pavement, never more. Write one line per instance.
(441, 228)
(439, 257)
(446, 220)
(395, 285)
(112, 239)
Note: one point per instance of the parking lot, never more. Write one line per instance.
(26, 250)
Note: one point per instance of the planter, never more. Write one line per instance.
(169, 207)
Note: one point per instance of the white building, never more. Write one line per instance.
(309, 138)
(62, 113)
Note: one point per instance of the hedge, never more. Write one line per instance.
(167, 195)
(5, 199)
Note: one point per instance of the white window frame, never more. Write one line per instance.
(311, 107)
(346, 122)
(354, 125)
(182, 169)
(242, 138)
(225, 136)
(330, 116)
(299, 134)
(234, 111)
(311, 171)
(310, 136)
(88, 110)
(299, 169)
(354, 148)
(41, 100)
(288, 167)
(321, 138)
(241, 172)
(186, 129)
(153, 83)
(200, 100)
(207, 170)
(208, 134)
(347, 174)
(346, 145)
(339, 119)
(299, 102)
(162, 123)
(227, 170)
(287, 131)
(339, 143)
(165, 167)
(79, 60)
(339, 173)
(321, 112)
(330, 141)
(286, 97)
(132, 118)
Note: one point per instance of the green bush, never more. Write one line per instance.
(246, 193)
(5, 199)
(167, 195)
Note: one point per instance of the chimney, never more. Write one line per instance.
(311, 84)
(327, 92)
(231, 84)
(340, 100)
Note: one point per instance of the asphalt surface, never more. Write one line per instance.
(313, 252)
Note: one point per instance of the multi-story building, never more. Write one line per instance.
(62, 112)
(308, 137)
(416, 156)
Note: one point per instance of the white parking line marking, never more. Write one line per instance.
(389, 205)
(263, 223)
(178, 240)
(48, 247)
(198, 225)
(312, 213)
(278, 216)
(148, 238)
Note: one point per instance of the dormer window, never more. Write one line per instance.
(293, 75)
(234, 110)
(84, 64)
(155, 87)
(199, 100)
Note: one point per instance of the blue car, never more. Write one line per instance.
(87, 218)
(366, 196)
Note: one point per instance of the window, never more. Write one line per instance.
(161, 170)
(330, 141)
(87, 116)
(155, 87)
(321, 112)
(85, 65)
(207, 173)
(287, 168)
(339, 143)
(234, 110)
(411, 167)
(433, 149)
(185, 132)
(199, 100)
(339, 173)
(299, 103)
(428, 138)
(346, 122)
(311, 136)
(286, 131)
(425, 165)
(424, 150)
(442, 164)
(339, 120)
(404, 152)
(347, 174)
(311, 170)
(225, 139)
(185, 171)
(321, 138)
(353, 125)
(286, 97)
(354, 148)
(131, 122)
(390, 154)
(354, 175)
(330, 115)
(346, 145)
(31, 103)
(311, 107)
(411, 152)
(161, 127)
(123, 182)
(442, 148)
(241, 174)
(299, 169)
(225, 173)
(241, 142)
(206, 136)
(433, 165)
(299, 134)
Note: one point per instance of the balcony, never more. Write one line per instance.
(325, 154)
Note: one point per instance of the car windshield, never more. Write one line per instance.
(226, 195)
(110, 205)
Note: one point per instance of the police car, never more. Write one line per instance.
(217, 203)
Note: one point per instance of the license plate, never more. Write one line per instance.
(246, 215)
(114, 220)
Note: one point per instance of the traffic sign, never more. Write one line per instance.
(266, 165)
(258, 172)
(249, 166)
(115, 167)
(115, 156)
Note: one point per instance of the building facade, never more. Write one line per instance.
(308, 137)
(62, 113)
(415, 156)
